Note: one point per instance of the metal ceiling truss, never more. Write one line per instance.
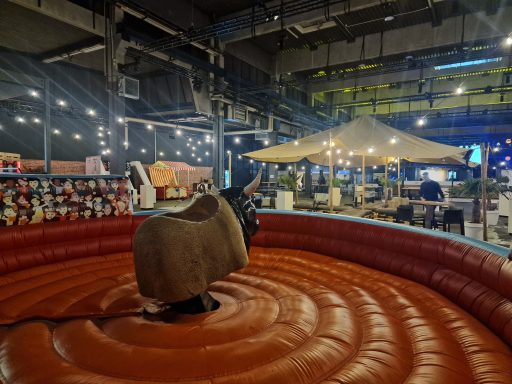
(259, 15)
(16, 106)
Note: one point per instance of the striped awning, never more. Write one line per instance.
(174, 165)
(161, 177)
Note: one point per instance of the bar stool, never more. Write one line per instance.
(452, 216)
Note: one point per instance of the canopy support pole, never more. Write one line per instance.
(399, 179)
(484, 154)
(296, 189)
(363, 168)
(331, 171)
(385, 189)
(229, 168)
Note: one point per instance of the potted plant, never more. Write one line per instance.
(472, 188)
(495, 189)
(284, 198)
(336, 191)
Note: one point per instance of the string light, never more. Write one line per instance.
(193, 148)
(91, 112)
(198, 143)
(228, 152)
(102, 143)
(237, 140)
(34, 93)
(251, 161)
(188, 145)
(149, 127)
(178, 153)
(393, 140)
(77, 136)
(325, 143)
(56, 131)
(296, 142)
(19, 119)
(61, 103)
(161, 154)
(101, 128)
(276, 166)
(338, 151)
(263, 164)
(199, 159)
(303, 167)
(351, 153)
(207, 153)
(143, 150)
(508, 40)
(371, 149)
(265, 142)
(178, 132)
(193, 155)
(36, 120)
(239, 157)
(100, 134)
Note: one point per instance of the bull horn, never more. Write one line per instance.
(251, 188)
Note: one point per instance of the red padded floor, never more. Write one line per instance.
(289, 317)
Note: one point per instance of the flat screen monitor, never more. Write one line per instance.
(475, 156)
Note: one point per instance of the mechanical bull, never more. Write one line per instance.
(178, 254)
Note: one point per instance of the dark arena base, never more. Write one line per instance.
(331, 300)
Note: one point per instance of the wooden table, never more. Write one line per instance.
(431, 203)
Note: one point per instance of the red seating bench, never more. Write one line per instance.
(323, 299)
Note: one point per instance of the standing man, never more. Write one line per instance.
(430, 190)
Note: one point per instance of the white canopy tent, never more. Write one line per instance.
(365, 141)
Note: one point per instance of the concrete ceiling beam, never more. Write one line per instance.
(66, 12)
(310, 17)
(419, 37)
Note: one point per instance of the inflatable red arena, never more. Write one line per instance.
(324, 298)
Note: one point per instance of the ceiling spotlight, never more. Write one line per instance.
(393, 140)
(101, 128)
(289, 167)
(508, 40)
(389, 18)
(193, 148)
(33, 93)
(208, 137)
(120, 120)
(207, 153)
(19, 119)
(108, 132)
(125, 143)
(340, 161)
(77, 136)
(103, 152)
(495, 149)
(239, 157)
(100, 134)
(36, 120)
(371, 149)
(61, 103)
(459, 91)
(265, 142)
(276, 166)
(189, 139)
(199, 159)
(56, 131)
(149, 126)
(374, 167)
(358, 169)
(348, 162)
(102, 143)
(107, 150)
(188, 144)
(251, 161)
(198, 143)
(303, 167)
(502, 163)
(237, 140)
(143, 150)
(338, 151)
(421, 122)
(228, 152)
(325, 142)
(493, 167)
(161, 153)
(178, 132)
(178, 153)
(315, 167)
(296, 142)
(351, 153)
(91, 112)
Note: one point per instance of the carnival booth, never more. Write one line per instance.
(163, 177)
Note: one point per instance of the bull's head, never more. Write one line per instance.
(239, 199)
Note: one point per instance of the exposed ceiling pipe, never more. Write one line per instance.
(140, 14)
(169, 125)
(67, 55)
